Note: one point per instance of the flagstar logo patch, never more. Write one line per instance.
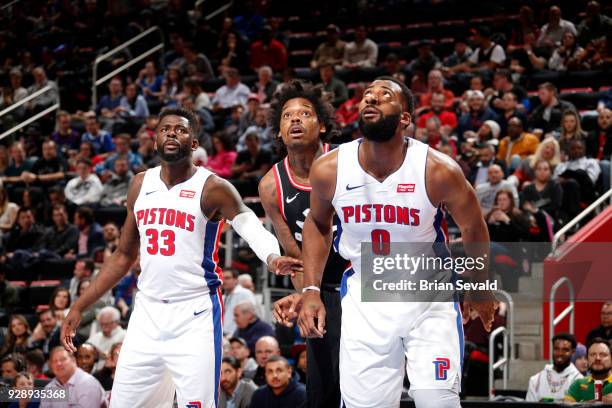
(187, 194)
(405, 188)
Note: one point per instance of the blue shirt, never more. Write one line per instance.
(134, 161)
(101, 143)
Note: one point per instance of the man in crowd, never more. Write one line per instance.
(86, 187)
(488, 56)
(111, 332)
(435, 85)
(478, 114)
(101, 140)
(486, 191)
(552, 32)
(240, 351)
(547, 116)
(27, 235)
(122, 149)
(249, 326)
(332, 85)
(65, 137)
(361, 53)
(552, 383)
(87, 357)
(235, 391)
(62, 236)
(231, 94)
(47, 170)
(47, 98)
(83, 269)
(578, 165)
(265, 348)
(600, 367)
(517, 145)
(486, 158)
(331, 51)
(268, 51)
(233, 295)
(281, 388)
(115, 190)
(90, 232)
(48, 337)
(448, 119)
(605, 330)
(83, 389)
(509, 110)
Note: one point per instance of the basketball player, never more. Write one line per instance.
(301, 117)
(175, 215)
(376, 336)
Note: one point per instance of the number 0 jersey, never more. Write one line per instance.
(397, 209)
(178, 244)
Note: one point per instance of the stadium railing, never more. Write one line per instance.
(569, 310)
(503, 363)
(96, 82)
(31, 119)
(509, 319)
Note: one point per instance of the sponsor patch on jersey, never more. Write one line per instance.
(405, 188)
(194, 404)
(187, 194)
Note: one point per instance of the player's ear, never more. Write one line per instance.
(194, 144)
(322, 129)
(405, 119)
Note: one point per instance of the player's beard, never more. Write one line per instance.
(381, 130)
(181, 153)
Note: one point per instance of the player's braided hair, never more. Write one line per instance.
(303, 89)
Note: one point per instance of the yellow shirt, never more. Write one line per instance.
(525, 145)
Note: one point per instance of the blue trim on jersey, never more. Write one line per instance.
(218, 334)
(459, 321)
(343, 284)
(208, 263)
(336, 241)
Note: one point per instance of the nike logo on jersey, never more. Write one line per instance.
(349, 188)
(199, 313)
(290, 200)
(150, 192)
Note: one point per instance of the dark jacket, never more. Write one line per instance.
(294, 396)
(599, 332)
(61, 242)
(95, 239)
(254, 332)
(242, 394)
(30, 240)
(537, 121)
(467, 121)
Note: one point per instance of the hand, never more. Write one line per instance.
(607, 399)
(284, 265)
(484, 304)
(311, 320)
(286, 309)
(28, 177)
(69, 326)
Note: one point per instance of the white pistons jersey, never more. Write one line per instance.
(397, 209)
(178, 244)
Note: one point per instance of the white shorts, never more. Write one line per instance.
(378, 339)
(168, 347)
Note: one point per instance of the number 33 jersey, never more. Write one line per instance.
(178, 244)
(395, 210)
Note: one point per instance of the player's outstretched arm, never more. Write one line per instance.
(447, 185)
(220, 199)
(317, 237)
(112, 271)
(269, 201)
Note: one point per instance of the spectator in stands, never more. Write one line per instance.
(45, 335)
(510, 109)
(579, 359)
(86, 357)
(27, 235)
(361, 53)
(457, 60)
(122, 149)
(487, 57)
(88, 316)
(17, 335)
(600, 366)
(604, 331)
(106, 376)
(547, 116)
(266, 347)
(486, 158)
(240, 351)
(448, 119)
(259, 127)
(595, 25)
(268, 51)
(108, 106)
(331, 51)
(116, 187)
(517, 145)
(84, 389)
(249, 326)
(222, 159)
(420, 67)
(60, 303)
(246, 281)
(11, 365)
(265, 86)
(83, 269)
(111, 234)
(49, 169)
(393, 67)
(435, 85)
(488, 133)
(579, 162)
(35, 362)
(506, 223)
(8, 211)
(16, 91)
(599, 142)
(171, 86)
(85, 188)
(502, 84)
(432, 134)
(333, 86)
(147, 151)
(24, 382)
(133, 107)
(552, 383)
(551, 34)
(280, 389)
(150, 83)
(545, 193)
(90, 232)
(348, 113)
(111, 332)
(9, 296)
(17, 166)
(47, 98)
(233, 54)
(235, 390)
(525, 30)
(251, 164)
(570, 130)
(232, 93)
(547, 150)
(64, 136)
(100, 140)
(477, 114)
(233, 295)
(195, 65)
(487, 192)
(565, 57)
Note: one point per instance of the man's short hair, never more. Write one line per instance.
(275, 358)
(17, 361)
(191, 117)
(237, 339)
(504, 73)
(86, 214)
(90, 265)
(548, 86)
(234, 272)
(84, 161)
(231, 361)
(111, 311)
(567, 337)
(58, 349)
(36, 358)
(406, 93)
(599, 340)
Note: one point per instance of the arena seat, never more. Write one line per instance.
(56, 269)
(299, 58)
(387, 33)
(115, 214)
(40, 292)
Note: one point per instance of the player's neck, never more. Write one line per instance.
(381, 159)
(301, 159)
(177, 172)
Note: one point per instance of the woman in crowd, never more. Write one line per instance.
(565, 56)
(223, 157)
(570, 130)
(8, 211)
(60, 303)
(548, 150)
(171, 87)
(192, 88)
(134, 106)
(16, 339)
(506, 223)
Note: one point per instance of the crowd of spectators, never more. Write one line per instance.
(495, 98)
